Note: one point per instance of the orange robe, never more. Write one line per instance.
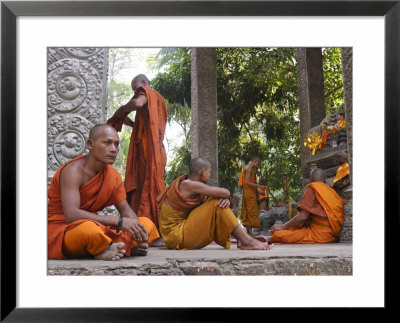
(249, 213)
(190, 224)
(327, 216)
(342, 172)
(102, 190)
(324, 137)
(146, 160)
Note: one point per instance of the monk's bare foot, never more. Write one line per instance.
(159, 242)
(114, 251)
(140, 250)
(254, 244)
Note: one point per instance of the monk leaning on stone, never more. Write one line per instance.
(84, 186)
(194, 214)
(320, 215)
(144, 174)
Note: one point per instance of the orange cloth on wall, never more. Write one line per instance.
(190, 224)
(324, 137)
(249, 212)
(102, 190)
(342, 171)
(146, 160)
(341, 123)
(327, 217)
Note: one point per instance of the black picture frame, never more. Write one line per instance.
(10, 10)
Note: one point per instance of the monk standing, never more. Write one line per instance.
(144, 174)
(320, 215)
(249, 213)
(194, 214)
(82, 187)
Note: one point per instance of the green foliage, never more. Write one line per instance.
(258, 111)
(333, 79)
(119, 93)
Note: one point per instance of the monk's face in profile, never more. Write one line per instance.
(104, 146)
(205, 174)
(256, 163)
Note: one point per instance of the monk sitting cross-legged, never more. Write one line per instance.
(188, 220)
(82, 187)
(320, 215)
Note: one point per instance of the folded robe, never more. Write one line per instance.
(342, 172)
(249, 213)
(188, 224)
(144, 174)
(327, 216)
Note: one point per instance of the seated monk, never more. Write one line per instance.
(320, 215)
(82, 187)
(194, 214)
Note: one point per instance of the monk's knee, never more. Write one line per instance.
(85, 238)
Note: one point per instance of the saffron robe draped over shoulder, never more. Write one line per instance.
(146, 160)
(342, 172)
(249, 212)
(102, 190)
(188, 224)
(327, 216)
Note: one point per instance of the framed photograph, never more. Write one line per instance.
(28, 28)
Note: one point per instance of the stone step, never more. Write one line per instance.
(282, 259)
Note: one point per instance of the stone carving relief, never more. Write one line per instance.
(77, 94)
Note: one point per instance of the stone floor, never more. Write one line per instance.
(314, 259)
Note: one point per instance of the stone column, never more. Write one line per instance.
(347, 72)
(311, 97)
(76, 100)
(204, 108)
(346, 234)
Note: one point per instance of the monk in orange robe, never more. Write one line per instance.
(146, 160)
(263, 195)
(194, 214)
(82, 187)
(249, 213)
(320, 215)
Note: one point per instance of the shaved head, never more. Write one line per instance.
(317, 175)
(138, 79)
(197, 164)
(95, 130)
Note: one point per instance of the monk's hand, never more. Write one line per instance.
(224, 203)
(135, 228)
(277, 227)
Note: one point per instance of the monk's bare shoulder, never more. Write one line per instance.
(191, 189)
(74, 173)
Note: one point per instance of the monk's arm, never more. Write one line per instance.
(247, 179)
(198, 188)
(71, 179)
(133, 104)
(301, 217)
(130, 221)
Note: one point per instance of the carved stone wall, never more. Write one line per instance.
(76, 100)
(204, 108)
